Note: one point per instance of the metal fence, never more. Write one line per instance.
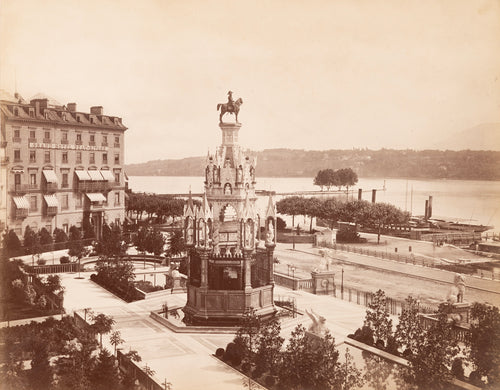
(424, 261)
(346, 293)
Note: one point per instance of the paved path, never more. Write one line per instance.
(186, 360)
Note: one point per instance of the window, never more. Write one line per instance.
(33, 179)
(104, 140)
(117, 198)
(117, 177)
(17, 155)
(33, 203)
(65, 157)
(65, 183)
(47, 156)
(47, 135)
(65, 202)
(32, 134)
(78, 138)
(104, 158)
(117, 158)
(64, 139)
(79, 200)
(32, 156)
(92, 137)
(92, 158)
(78, 157)
(117, 140)
(32, 113)
(17, 179)
(65, 227)
(17, 133)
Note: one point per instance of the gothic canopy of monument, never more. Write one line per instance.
(230, 265)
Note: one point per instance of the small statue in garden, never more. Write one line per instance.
(457, 291)
(318, 326)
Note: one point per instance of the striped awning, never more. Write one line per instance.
(96, 197)
(21, 202)
(51, 200)
(50, 176)
(82, 175)
(95, 175)
(107, 175)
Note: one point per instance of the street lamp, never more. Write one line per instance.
(342, 284)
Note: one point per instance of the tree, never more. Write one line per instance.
(325, 178)
(156, 242)
(246, 336)
(292, 205)
(268, 346)
(11, 243)
(105, 374)
(177, 245)
(330, 210)
(377, 316)
(346, 177)
(40, 375)
(409, 328)
(435, 350)
(60, 235)
(115, 339)
(45, 237)
(111, 244)
(381, 214)
(12, 373)
(484, 341)
(53, 284)
(102, 325)
(32, 243)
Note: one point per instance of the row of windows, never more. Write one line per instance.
(47, 156)
(64, 183)
(64, 137)
(64, 201)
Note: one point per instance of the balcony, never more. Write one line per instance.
(50, 187)
(78, 142)
(96, 186)
(51, 211)
(117, 145)
(20, 213)
(91, 143)
(4, 160)
(104, 144)
(47, 141)
(21, 188)
(32, 140)
(16, 139)
(64, 141)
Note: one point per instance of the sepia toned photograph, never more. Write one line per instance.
(269, 195)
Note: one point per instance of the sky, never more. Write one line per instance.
(313, 75)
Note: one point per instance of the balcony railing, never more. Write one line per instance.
(93, 186)
(117, 145)
(31, 139)
(20, 213)
(51, 187)
(92, 143)
(16, 139)
(21, 188)
(78, 142)
(51, 211)
(47, 141)
(64, 141)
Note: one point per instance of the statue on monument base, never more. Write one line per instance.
(232, 107)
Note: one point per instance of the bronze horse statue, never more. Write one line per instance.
(233, 108)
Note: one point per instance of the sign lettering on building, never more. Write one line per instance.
(42, 145)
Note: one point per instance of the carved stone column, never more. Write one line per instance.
(204, 268)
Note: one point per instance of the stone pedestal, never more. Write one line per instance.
(460, 312)
(323, 282)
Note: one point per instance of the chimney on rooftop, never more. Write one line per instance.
(71, 107)
(96, 110)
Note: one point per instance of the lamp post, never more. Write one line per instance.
(293, 237)
(342, 284)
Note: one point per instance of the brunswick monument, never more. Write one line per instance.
(230, 269)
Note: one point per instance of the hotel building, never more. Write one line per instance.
(59, 166)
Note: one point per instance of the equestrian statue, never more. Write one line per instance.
(232, 107)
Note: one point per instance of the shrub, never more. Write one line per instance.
(392, 346)
(219, 353)
(270, 381)
(364, 335)
(475, 378)
(245, 367)
(41, 261)
(64, 259)
(380, 344)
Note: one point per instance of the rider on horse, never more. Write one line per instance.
(230, 101)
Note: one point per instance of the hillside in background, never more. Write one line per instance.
(426, 164)
(485, 136)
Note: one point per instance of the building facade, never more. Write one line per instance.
(230, 267)
(60, 167)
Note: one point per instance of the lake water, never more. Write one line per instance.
(471, 201)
